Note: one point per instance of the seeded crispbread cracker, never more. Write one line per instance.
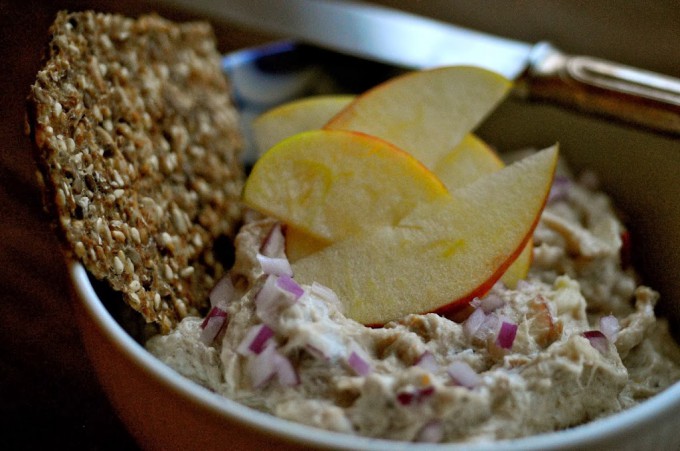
(139, 153)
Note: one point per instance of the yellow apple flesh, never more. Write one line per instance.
(441, 255)
(520, 267)
(332, 184)
(426, 113)
(310, 113)
(300, 244)
(471, 159)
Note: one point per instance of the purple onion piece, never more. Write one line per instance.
(274, 245)
(597, 340)
(474, 322)
(263, 335)
(222, 293)
(427, 361)
(288, 285)
(255, 340)
(285, 371)
(609, 325)
(491, 303)
(462, 374)
(212, 325)
(359, 364)
(262, 367)
(275, 265)
(506, 335)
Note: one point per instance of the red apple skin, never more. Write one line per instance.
(460, 303)
(375, 292)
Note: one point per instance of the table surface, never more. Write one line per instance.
(48, 392)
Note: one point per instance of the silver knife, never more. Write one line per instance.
(540, 71)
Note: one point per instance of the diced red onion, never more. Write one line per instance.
(488, 328)
(277, 266)
(222, 292)
(255, 340)
(285, 372)
(263, 335)
(432, 432)
(426, 391)
(462, 374)
(359, 364)
(427, 361)
(491, 303)
(609, 325)
(406, 398)
(316, 352)
(559, 189)
(270, 299)
(506, 335)
(409, 397)
(269, 363)
(474, 322)
(597, 340)
(262, 367)
(243, 347)
(211, 326)
(287, 284)
(214, 312)
(267, 292)
(274, 244)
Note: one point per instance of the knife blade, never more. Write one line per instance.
(541, 72)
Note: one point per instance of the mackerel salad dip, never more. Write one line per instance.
(576, 341)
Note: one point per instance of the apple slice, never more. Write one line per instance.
(471, 159)
(300, 244)
(331, 184)
(520, 267)
(426, 113)
(291, 118)
(441, 255)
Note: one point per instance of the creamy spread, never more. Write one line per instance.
(576, 341)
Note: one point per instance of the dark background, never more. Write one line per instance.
(49, 395)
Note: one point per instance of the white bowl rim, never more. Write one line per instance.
(646, 413)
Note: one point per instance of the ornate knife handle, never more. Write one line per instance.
(615, 91)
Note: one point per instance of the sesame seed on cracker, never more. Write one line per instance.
(138, 147)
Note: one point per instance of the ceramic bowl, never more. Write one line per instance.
(165, 411)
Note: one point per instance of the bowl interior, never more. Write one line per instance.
(638, 169)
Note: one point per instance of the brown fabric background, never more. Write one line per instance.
(49, 395)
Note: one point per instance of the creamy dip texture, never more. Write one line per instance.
(576, 341)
